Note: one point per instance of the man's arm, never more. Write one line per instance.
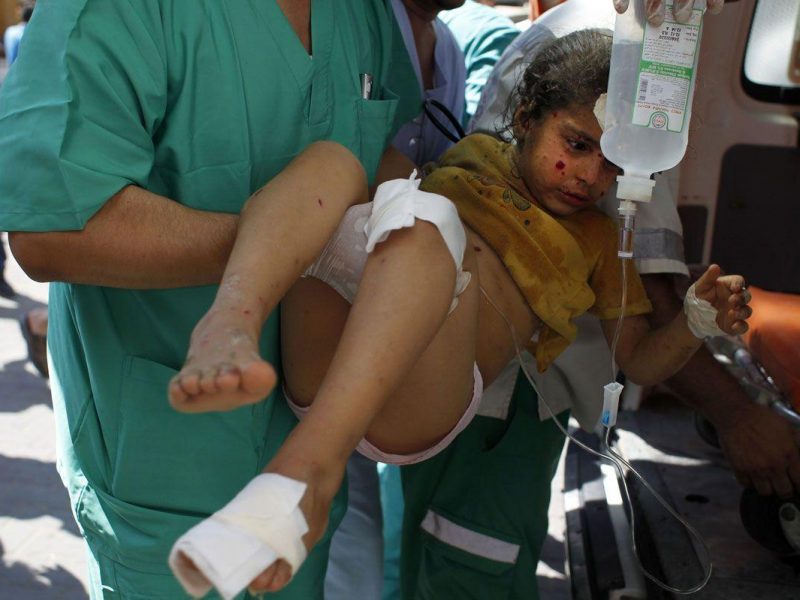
(760, 445)
(138, 240)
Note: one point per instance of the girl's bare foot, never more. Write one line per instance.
(223, 369)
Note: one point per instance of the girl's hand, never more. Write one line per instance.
(727, 294)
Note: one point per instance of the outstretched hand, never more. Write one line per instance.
(727, 294)
(682, 9)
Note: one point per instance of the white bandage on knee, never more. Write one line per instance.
(262, 524)
(399, 202)
(701, 316)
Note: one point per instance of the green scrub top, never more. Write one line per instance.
(483, 34)
(202, 101)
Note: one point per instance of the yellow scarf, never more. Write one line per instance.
(539, 251)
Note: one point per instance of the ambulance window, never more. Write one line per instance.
(771, 69)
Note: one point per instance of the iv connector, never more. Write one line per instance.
(627, 222)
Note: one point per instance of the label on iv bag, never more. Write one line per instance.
(665, 72)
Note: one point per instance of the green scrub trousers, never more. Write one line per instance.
(476, 514)
(202, 102)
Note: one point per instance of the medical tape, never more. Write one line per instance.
(399, 202)
(599, 110)
(262, 524)
(701, 316)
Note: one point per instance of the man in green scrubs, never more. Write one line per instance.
(132, 134)
(476, 514)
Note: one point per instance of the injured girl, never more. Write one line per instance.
(393, 313)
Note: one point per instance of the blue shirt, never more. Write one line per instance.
(11, 39)
(419, 139)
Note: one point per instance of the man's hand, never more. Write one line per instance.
(682, 9)
(762, 449)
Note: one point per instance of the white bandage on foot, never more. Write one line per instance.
(701, 316)
(262, 524)
(399, 202)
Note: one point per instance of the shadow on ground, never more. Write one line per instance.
(33, 489)
(18, 580)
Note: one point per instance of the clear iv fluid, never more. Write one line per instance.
(636, 149)
(650, 92)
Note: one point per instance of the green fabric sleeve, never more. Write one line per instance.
(79, 111)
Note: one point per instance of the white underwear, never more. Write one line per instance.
(367, 449)
(397, 204)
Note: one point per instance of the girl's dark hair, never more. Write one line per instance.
(571, 70)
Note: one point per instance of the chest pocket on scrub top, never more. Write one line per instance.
(375, 123)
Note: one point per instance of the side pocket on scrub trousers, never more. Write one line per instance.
(375, 123)
(461, 561)
(173, 461)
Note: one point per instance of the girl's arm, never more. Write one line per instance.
(650, 356)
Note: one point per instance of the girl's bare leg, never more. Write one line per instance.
(401, 374)
(282, 229)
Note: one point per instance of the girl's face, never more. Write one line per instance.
(560, 160)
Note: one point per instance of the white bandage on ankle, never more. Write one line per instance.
(262, 524)
(399, 202)
(701, 316)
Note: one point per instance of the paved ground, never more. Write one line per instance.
(41, 553)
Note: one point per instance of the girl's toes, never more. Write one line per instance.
(228, 378)
(190, 382)
(176, 393)
(208, 381)
(282, 576)
(258, 378)
(262, 583)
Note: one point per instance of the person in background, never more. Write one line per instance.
(13, 34)
(6, 291)
(11, 40)
(483, 34)
(441, 75)
(33, 325)
(129, 208)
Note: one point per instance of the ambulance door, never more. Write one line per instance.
(739, 191)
